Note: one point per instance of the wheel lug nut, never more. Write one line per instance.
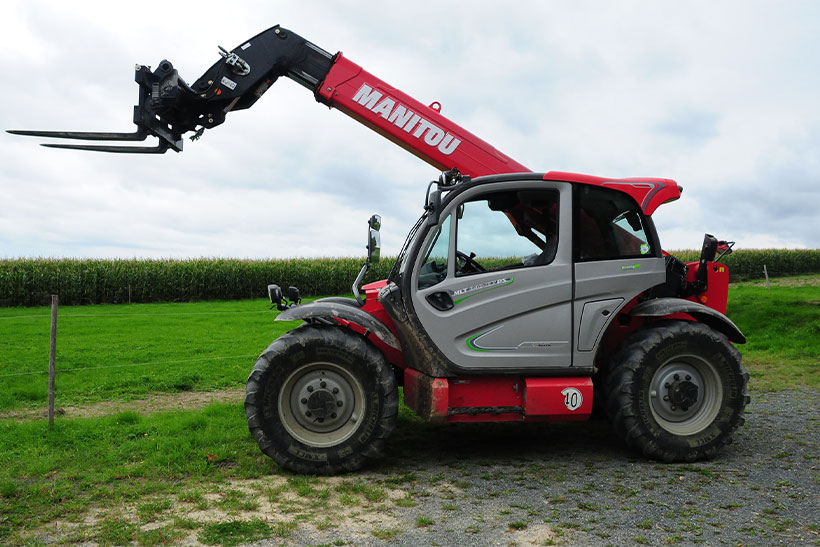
(321, 420)
(322, 384)
(667, 385)
(674, 407)
(304, 401)
(339, 403)
(677, 376)
(666, 397)
(335, 390)
(308, 414)
(688, 377)
(310, 388)
(333, 415)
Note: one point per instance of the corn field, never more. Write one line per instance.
(28, 282)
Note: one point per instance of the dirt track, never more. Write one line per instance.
(575, 484)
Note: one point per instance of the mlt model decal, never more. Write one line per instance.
(404, 118)
(467, 292)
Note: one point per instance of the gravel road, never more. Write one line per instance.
(575, 484)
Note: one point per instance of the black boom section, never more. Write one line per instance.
(168, 107)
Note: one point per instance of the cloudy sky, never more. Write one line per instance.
(720, 96)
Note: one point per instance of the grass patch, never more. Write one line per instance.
(234, 532)
(149, 511)
(110, 532)
(234, 501)
(159, 536)
(406, 501)
(41, 473)
(358, 487)
(782, 326)
(424, 521)
(386, 534)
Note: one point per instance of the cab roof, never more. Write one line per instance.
(648, 192)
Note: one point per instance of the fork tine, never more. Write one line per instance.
(159, 149)
(138, 135)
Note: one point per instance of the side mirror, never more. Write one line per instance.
(293, 295)
(279, 300)
(709, 249)
(433, 204)
(275, 294)
(374, 245)
(375, 222)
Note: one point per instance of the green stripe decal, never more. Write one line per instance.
(470, 343)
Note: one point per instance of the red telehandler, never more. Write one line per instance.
(516, 296)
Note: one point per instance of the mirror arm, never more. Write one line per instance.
(358, 280)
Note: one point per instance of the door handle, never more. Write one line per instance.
(441, 300)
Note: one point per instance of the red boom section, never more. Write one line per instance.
(419, 129)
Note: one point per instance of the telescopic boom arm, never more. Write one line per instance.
(168, 107)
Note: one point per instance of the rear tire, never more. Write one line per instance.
(677, 391)
(321, 400)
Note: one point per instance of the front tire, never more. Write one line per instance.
(677, 391)
(321, 400)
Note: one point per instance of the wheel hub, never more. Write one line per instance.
(322, 400)
(683, 394)
(321, 404)
(676, 393)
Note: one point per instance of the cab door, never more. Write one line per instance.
(492, 286)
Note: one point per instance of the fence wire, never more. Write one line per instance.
(128, 365)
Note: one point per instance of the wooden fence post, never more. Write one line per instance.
(766, 273)
(52, 368)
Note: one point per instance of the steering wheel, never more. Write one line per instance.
(466, 263)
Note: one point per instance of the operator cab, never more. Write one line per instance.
(517, 274)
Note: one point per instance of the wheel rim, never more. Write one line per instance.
(321, 404)
(685, 395)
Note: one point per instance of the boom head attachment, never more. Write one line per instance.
(168, 107)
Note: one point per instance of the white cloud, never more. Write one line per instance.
(720, 97)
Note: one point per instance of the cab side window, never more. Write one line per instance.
(434, 269)
(506, 230)
(609, 225)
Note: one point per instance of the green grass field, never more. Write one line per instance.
(128, 350)
(130, 477)
(782, 327)
(115, 352)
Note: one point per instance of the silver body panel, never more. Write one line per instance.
(534, 317)
(517, 318)
(602, 288)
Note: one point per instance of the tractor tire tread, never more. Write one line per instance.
(622, 388)
(301, 339)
